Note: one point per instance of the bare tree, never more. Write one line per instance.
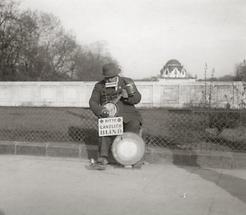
(241, 71)
(34, 46)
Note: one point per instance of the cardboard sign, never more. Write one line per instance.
(110, 126)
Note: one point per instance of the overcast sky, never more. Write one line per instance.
(144, 34)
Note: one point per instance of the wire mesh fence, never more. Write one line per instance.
(186, 129)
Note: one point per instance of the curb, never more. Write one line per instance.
(214, 159)
(48, 149)
(209, 159)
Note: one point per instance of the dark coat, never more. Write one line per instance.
(100, 95)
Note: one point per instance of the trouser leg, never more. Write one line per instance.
(105, 146)
(132, 126)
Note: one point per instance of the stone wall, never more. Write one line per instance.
(154, 94)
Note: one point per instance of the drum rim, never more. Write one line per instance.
(140, 154)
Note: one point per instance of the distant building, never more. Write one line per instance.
(174, 70)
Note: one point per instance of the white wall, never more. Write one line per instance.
(154, 94)
(59, 94)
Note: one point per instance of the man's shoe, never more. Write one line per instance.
(96, 166)
(102, 160)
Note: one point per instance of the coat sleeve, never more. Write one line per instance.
(94, 101)
(136, 97)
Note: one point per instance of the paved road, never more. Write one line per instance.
(49, 186)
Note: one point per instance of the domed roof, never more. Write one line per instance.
(173, 63)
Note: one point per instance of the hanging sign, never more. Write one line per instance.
(110, 126)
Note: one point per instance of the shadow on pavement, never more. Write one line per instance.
(231, 184)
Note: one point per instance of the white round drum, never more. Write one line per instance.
(128, 148)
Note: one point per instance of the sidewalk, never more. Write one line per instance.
(49, 185)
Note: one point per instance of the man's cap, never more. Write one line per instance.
(110, 70)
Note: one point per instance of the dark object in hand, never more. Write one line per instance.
(130, 89)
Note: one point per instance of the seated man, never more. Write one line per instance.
(122, 89)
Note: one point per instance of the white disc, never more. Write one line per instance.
(127, 149)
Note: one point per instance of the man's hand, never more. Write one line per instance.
(104, 113)
(124, 94)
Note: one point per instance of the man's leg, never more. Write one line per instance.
(104, 146)
(104, 149)
(132, 126)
